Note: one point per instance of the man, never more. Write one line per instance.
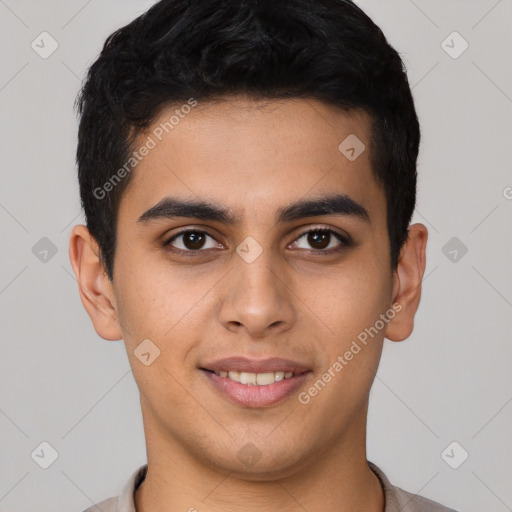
(248, 175)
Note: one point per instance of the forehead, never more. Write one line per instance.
(254, 155)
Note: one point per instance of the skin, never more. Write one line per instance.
(291, 302)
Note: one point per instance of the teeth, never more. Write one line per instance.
(279, 375)
(265, 378)
(247, 378)
(255, 379)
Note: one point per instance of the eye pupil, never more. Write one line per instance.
(193, 240)
(319, 239)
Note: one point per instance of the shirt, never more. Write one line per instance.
(396, 499)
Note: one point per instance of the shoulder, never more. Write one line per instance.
(109, 505)
(125, 501)
(399, 500)
(408, 502)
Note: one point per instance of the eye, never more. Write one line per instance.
(323, 240)
(191, 241)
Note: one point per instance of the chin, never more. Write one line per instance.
(250, 462)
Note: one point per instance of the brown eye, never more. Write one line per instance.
(190, 241)
(322, 240)
(319, 239)
(193, 240)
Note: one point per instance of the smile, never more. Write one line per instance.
(255, 379)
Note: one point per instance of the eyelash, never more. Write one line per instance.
(345, 241)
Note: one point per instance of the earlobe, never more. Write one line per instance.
(407, 285)
(96, 291)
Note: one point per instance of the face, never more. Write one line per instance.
(280, 274)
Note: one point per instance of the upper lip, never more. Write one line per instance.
(245, 364)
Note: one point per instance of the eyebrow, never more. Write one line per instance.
(173, 207)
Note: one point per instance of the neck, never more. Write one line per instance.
(335, 480)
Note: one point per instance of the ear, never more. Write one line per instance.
(96, 290)
(407, 283)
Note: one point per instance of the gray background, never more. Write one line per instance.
(450, 381)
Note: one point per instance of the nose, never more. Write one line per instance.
(256, 297)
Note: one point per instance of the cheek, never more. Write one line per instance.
(168, 307)
(350, 304)
(349, 299)
(351, 351)
(158, 314)
(152, 300)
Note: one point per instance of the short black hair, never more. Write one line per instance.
(179, 50)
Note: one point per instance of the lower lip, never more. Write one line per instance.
(255, 395)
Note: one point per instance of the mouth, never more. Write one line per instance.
(253, 379)
(255, 383)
